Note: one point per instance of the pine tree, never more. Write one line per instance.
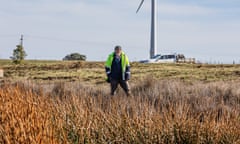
(18, 54)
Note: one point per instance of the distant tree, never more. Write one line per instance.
(75, 56)
(19, 54)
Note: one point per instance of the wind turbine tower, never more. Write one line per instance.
(153, 39)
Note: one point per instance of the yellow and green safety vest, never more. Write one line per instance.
(124, 63)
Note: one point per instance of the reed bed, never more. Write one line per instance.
(159, 111)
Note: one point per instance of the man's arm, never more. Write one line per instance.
(108, 68)
(108, 65)
(128, 72)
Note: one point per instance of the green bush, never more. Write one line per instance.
(75, 56)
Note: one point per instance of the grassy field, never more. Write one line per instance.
(69, 102)
(93, 72)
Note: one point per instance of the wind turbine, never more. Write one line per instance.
(153, 43)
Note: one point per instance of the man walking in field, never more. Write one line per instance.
(118, 70)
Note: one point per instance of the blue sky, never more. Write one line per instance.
(208, 30)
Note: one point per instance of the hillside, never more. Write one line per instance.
(94, 71)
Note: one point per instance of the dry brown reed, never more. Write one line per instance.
(160, 111)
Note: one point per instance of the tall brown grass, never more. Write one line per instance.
(158, 112)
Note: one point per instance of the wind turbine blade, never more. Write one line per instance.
(140, 6)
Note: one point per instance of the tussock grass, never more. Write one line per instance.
(93, 72)
(160, 111)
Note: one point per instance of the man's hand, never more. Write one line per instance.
(109, 78)
(127, 76)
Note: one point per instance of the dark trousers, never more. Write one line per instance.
(123, 83)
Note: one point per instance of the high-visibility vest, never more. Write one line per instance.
(124, 63)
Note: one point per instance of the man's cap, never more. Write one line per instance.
(118, 47)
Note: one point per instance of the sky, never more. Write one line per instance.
(208, 30)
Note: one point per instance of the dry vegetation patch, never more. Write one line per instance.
(94, 71)
(160, 111)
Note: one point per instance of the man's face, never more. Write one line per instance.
(118, 51)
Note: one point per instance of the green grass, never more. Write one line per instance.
(189, 71)
(4, 62)
(93, 72)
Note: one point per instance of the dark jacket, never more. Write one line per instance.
(118, 69)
